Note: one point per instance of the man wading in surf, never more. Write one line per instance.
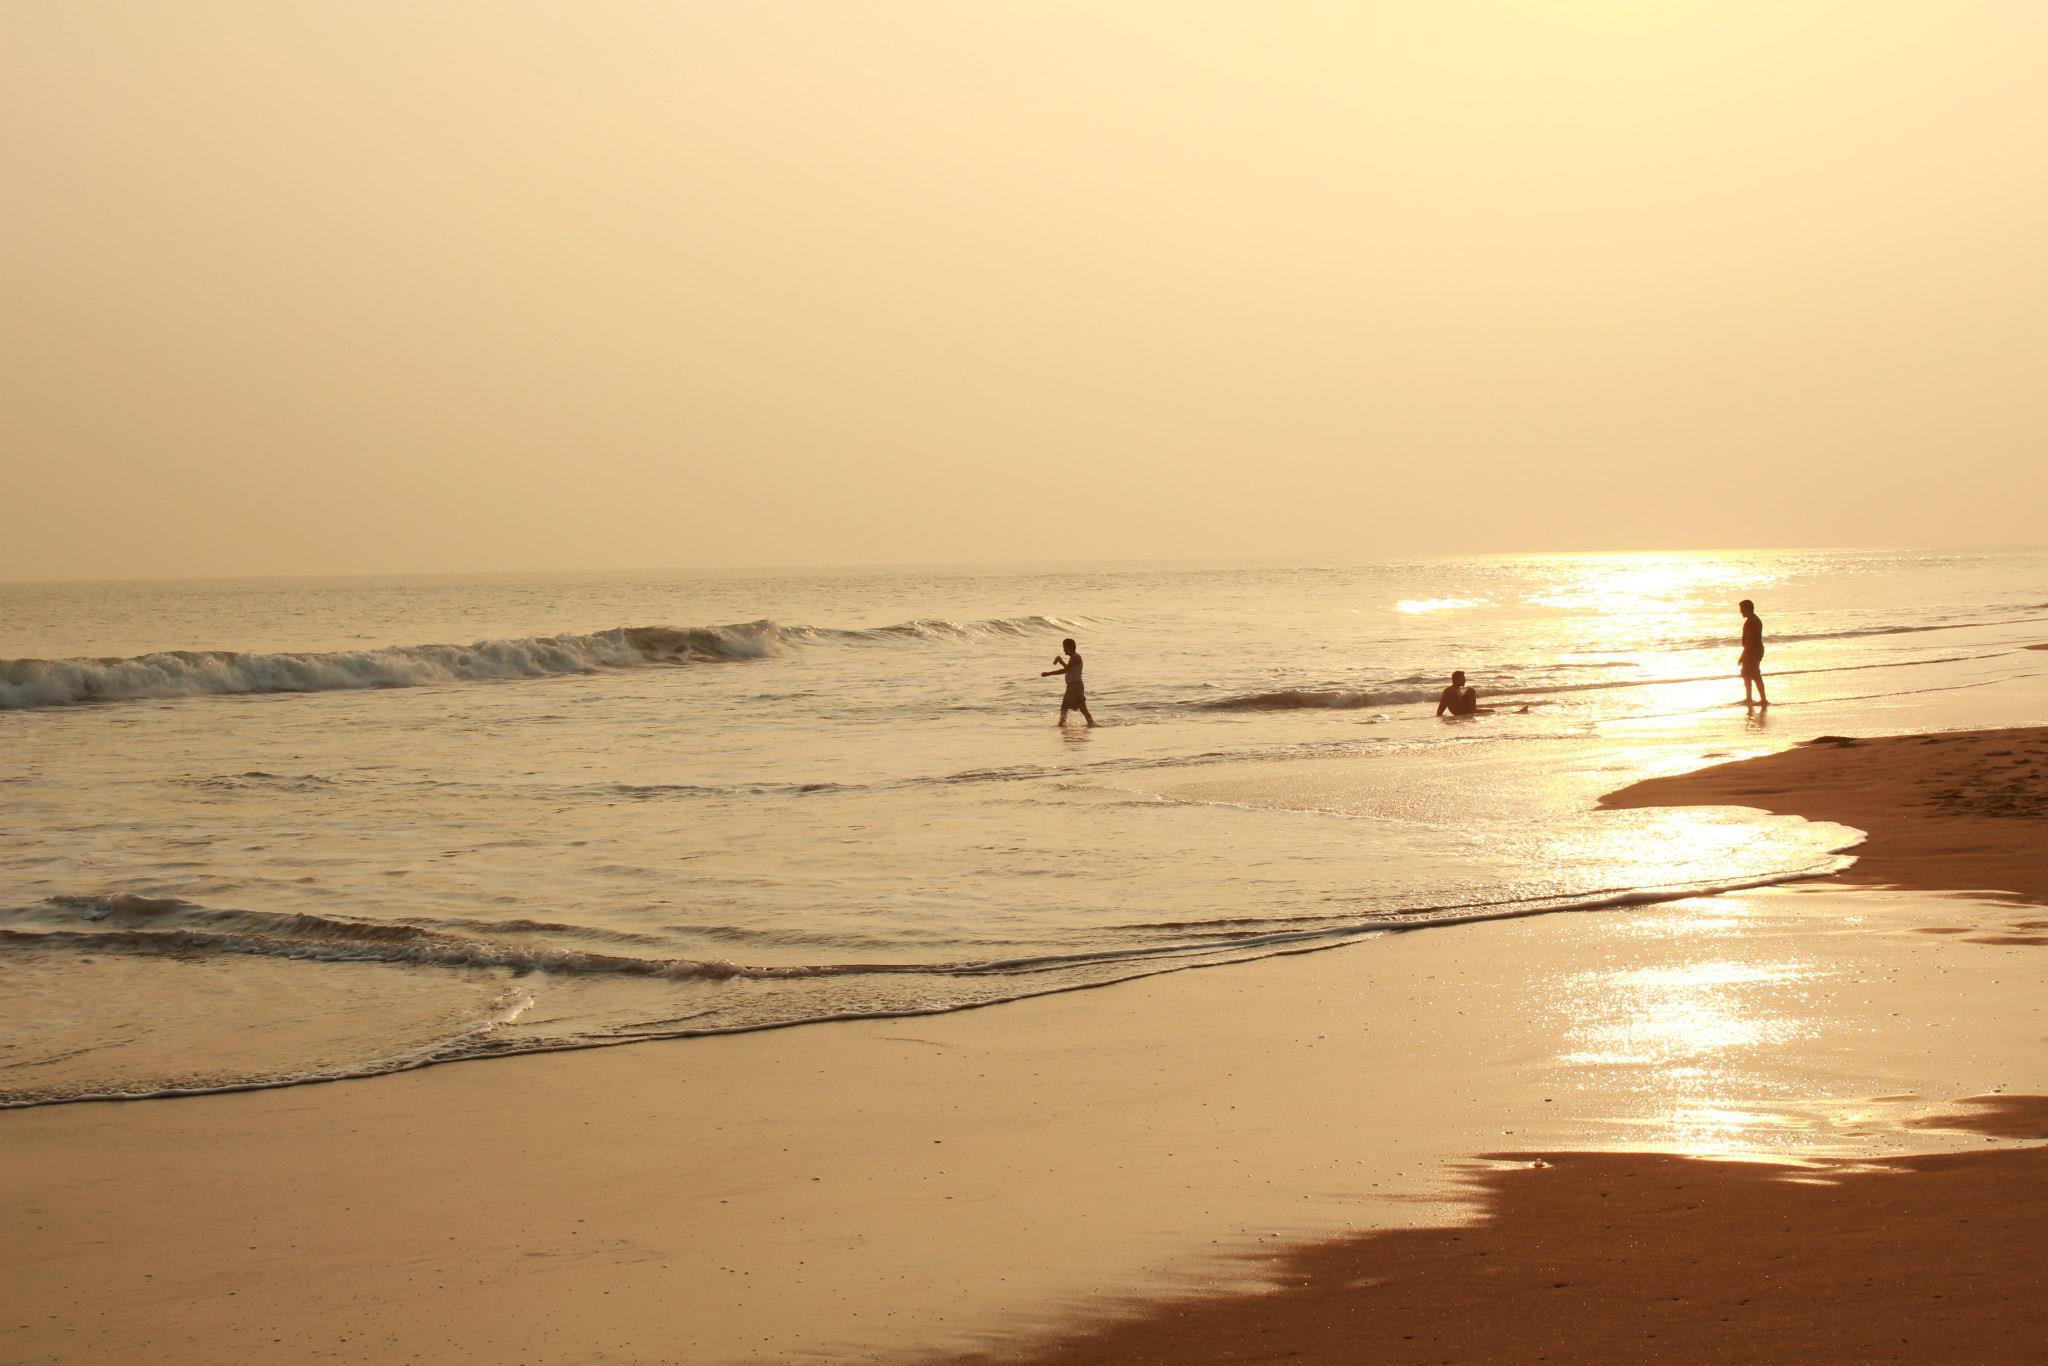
(1752, 659)
(1076, 698)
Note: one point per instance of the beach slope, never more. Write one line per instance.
(1631, 1257)
(1274, 1161)
(1621, 1257)
(1961, 810)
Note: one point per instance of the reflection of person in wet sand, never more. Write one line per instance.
(1458, 699)
(1752, 658)
(1076, 698)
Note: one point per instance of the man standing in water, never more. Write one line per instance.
(1076, 698)
(1752, 655)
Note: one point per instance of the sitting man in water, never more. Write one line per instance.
(1076, 698)
(1458, 699)
(1752, 657)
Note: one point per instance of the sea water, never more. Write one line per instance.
(272, 831)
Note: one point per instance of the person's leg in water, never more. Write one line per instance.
(1753, 676)
(1085, 714)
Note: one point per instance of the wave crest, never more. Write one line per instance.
(197, 673)
(1299, 699)
(167, 925)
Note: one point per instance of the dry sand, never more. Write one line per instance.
(1008, 1177)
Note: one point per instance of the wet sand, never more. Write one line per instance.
(1626, 1257)
(1282, 1150)
(1622, 1257)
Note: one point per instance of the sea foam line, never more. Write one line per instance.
(484, 1042)
(146, 925)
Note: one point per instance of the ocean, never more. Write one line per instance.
(269, 832)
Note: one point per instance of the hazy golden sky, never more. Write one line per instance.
(319, 286)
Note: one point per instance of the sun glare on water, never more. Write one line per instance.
(1634, 584)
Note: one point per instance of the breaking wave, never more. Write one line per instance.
(1299, 699)
(933, 628)
(1860, 632)
(1341, 699)
(167, 925)
(197, 673)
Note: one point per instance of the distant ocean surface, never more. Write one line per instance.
(273, 831)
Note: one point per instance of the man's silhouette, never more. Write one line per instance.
(1752, 655)
(1076, 698)
(1458, 699)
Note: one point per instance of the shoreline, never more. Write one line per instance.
(1954, 811)
(1175, 1149)
(1580, 1256)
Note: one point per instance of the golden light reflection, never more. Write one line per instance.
(1690, 1041)
(1413, 606)
(1707, 1130)
(1652, 610)
(1720, 919)
(1672, 847)
(1639, 584)
(1669, 1016)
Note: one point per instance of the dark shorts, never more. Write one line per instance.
(1752, 664)
(1076, 697)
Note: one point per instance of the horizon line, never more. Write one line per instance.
(881, 566)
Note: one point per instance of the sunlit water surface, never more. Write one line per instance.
(260, 832)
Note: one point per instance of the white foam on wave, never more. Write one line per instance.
(198, 673)
(195, 673)
(1311, 699)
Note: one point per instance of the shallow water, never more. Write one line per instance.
(272, 831)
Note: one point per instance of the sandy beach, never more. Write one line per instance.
(913, 683)
(1501, 1164)
(1957, 811)
(1582, 1257)
(1579, 1256)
